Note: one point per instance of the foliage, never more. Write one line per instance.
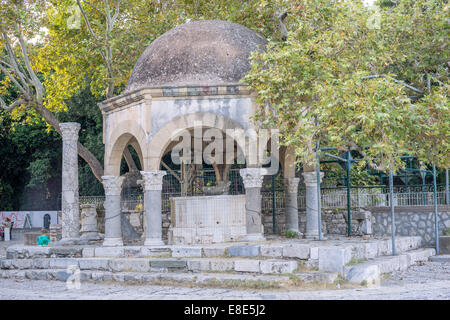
(355, 78)
(290, 234)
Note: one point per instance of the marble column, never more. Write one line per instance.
(253, 179)
(113, 226)
(291, 185)
(312, 223)
(153, 182)
(70, 198)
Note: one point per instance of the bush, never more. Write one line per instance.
(290, 234)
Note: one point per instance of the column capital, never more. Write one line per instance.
(310, 178)
(112, 185)
(153, 180)
(252, 177)
(292, 185)
(69, 130)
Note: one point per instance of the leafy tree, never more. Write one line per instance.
(356, 78)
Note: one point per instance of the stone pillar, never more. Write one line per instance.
(69, 202)
(89, 229)
(113, 226)
(312, 223)
(253, 179)
(153, 182)
(291, 208)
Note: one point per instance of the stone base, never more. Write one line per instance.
(91, 236)
(254, 237)
(311, 235)
(113, 242)
(68, 241)
(153, 242)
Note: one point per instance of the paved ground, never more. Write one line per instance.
(428, 281)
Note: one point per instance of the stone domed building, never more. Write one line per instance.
(188, 78)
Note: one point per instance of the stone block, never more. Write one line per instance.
(129, 265)
(371, 250)
(93, 264)
(21, 263)
(221, 265)
(97, 276)
(244, 251)
(198, 265)
(37, 251)
(88, 252)
(118, 277)
(168, 263)
(368, 273)
(5, 264)
(247, 265)
(299, 251)
(271, 251)
(334, 259)
(109, 252)
(62, 263)
(180, 252)
(66, 252)
(213, 252)
(62, 275)
(314, 253)
(154, 251)
(278, 266)
(41, 263)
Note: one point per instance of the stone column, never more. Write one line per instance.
(253, 179)
(113, 226)
(312, 223)
(291, 208)
(69, 202)
(153, 182)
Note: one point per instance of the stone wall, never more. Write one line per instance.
(333, 222)
(411, 221)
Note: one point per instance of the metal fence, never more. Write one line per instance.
(273, 191)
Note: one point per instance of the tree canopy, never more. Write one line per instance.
(359, 78)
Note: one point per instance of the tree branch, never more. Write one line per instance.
(35, 80)
(395, 80)
(12, 106)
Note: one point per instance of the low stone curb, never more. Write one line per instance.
(155, 277)
(269, 266)
(370, 272)
(443, 258)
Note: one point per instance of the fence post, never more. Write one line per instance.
(391, 202)
(447, 193)
(319, 198)
(436, 222)
(349, 204)
(274, 206)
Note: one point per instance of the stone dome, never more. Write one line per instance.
(209, 52)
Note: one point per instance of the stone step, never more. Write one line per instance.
(441, 258)
(257, 266)
(233, 280)
(290, 249)
(370, 272)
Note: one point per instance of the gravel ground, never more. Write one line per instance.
(428, 281)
